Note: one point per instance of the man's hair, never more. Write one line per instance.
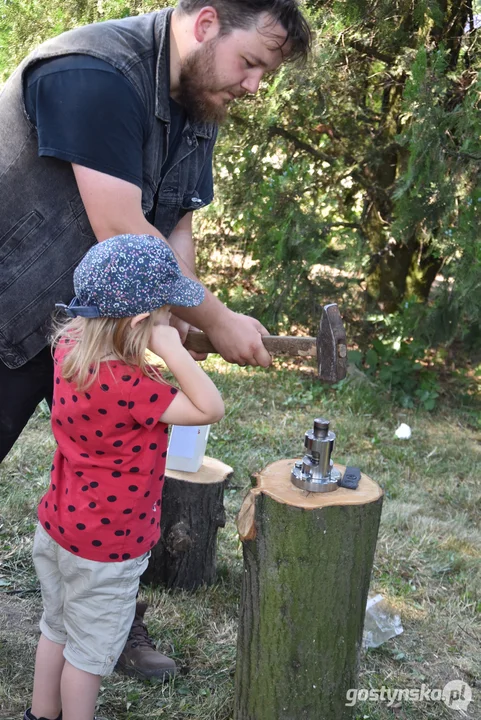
(243, 14)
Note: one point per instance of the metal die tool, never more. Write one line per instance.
(315, 472)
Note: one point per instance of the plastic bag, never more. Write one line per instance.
(380, 623)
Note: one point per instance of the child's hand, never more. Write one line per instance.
(164, 340)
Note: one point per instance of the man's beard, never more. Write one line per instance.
(197, 82)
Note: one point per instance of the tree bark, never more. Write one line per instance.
(192, 512)
(307, 566)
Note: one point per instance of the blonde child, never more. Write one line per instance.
(100, 517)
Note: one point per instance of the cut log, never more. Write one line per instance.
(192, 512)
(307, 565)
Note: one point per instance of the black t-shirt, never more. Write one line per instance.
(86, 112)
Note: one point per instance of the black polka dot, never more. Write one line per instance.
(71, 508)
(122, 403)
(125, 556)
(85, 488)
(55, 507)
(99, 433)
(137, 448)
(84, 438)
(127, 532)
(69, 419)
(153, 446)
(74, 398)
(136, 383)
(142, 516)
(118, 443)
(74, 548)
(85, 455)
(66, 491)
(111, 498)
(96, 543)
(118, 462)
(149, 421)
(72, 439)
(119, 533)
(47, 525)
(152, 521)
(105, 521)
(104, 387)
(62, 400)
(164, 454)
(59, 422)
(53, 467)
(99, 452)
(166, 430)
(152, 544)
(113, 556)
(134, 470)
(79, 473)
(116, 474)
(80, 526)
(131, 404)
(57, 381)
(61, 530)
(88, 396)
(147, 493)
(54, 487)
(154, 397)
(140, 539)
(158, 503)
(92, 505)
(136, 426)
(94, 484)
(161, 477)
(133, 488)
(46, 504)
(86, 417)
(173, 391)
(127, 511)
(126, 378)
(120, 425)
(102, 411)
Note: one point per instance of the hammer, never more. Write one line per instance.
(329, 346)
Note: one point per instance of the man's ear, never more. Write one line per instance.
(138, 318)
(206, 25)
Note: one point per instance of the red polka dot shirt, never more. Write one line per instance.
(104, 499)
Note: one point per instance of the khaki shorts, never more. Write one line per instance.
(88, 606)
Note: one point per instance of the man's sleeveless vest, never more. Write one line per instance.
(44, 230)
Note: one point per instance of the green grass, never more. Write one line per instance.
(427, 561)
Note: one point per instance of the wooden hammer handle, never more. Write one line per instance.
(275, 344)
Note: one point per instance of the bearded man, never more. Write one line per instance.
(106, 130)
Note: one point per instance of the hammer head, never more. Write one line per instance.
(331, 346)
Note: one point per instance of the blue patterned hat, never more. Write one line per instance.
(127, 275)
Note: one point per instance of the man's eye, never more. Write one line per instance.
(248, 63)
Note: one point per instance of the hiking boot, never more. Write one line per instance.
(139, 657)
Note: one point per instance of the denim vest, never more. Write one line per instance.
(44, 229)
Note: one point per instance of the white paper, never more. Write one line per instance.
(183, 440)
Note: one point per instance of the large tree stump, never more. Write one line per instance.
(307, 565)
(192, 512)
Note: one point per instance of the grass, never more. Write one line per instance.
(427, 562)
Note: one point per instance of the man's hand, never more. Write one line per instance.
(238, 338)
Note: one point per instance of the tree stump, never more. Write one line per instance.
(307, 565)
(192, 512)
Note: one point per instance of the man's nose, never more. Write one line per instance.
(252, 81)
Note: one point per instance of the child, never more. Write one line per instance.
(100, 517)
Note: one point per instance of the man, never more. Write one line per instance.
(109, 129)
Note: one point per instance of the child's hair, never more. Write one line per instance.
(90, 340)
